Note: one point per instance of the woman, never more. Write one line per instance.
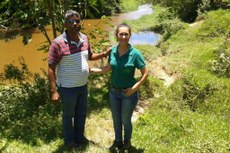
(123, 61)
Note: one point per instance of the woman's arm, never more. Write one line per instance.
(100, 70)
(96, 56)
(144, 73)
(135, 87)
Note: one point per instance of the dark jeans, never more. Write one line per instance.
(75, 105)
(122, 108)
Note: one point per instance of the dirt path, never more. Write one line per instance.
(157, 70)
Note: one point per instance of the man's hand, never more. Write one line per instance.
(55, 97)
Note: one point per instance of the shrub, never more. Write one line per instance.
(166, 14)
(171, 27)
(185, 9)
(221, 62)
(203, 8)
(170, 24)
(196, 91)
(150, 87)
(98, 85)
(26, 110)
(216, 24)
(14, 73)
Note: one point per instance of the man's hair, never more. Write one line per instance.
(71, 13)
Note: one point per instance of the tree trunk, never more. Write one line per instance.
(51, 15)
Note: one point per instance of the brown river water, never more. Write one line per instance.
(35, 60)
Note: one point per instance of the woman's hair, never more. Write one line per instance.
(123, 25)
(71, 13)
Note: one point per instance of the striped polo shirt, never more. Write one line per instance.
(71, 59)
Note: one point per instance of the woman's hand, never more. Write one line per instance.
(134, 88)
(107, 52)
(128, 92)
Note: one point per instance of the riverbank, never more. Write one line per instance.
(192, 114)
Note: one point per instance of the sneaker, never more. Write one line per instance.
(116, 144)
(127, 145)
(71, 146)
(84, 141)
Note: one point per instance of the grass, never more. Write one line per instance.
(163, 131)
(170, 125)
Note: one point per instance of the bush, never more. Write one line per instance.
(169, 23)
(150, 87)
(14, 73)
(203, 8)
(166, 14)
(171, 27)
(216, 24)
(221, 62)
(98, 87)
(185, 9)
(26, 110)
(195, 91)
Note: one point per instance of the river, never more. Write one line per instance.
(12, 50)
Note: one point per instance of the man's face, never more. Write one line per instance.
(73, 24)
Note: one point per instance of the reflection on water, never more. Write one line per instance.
(142, 38)
(142, 10)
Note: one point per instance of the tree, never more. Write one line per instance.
(186, 9)
(21, 17)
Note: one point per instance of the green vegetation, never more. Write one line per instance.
(191, 115)
(21, 17)
(188, 10)
(129, 5)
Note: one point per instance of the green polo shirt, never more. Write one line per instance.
(123, 68)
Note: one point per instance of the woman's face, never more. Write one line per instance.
(123, 35)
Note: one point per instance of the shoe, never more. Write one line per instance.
(116, 144)
(71, 146)
(84, 141)
(127, 145)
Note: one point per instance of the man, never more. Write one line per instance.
(69, 54)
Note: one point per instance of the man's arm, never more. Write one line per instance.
(52, 80)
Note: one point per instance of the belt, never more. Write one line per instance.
(118, 89)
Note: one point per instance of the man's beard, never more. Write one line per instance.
(76, 28)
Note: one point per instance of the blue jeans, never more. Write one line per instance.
(122, 108)
(75, 105)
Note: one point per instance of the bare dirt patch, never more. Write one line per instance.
(157, 69)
